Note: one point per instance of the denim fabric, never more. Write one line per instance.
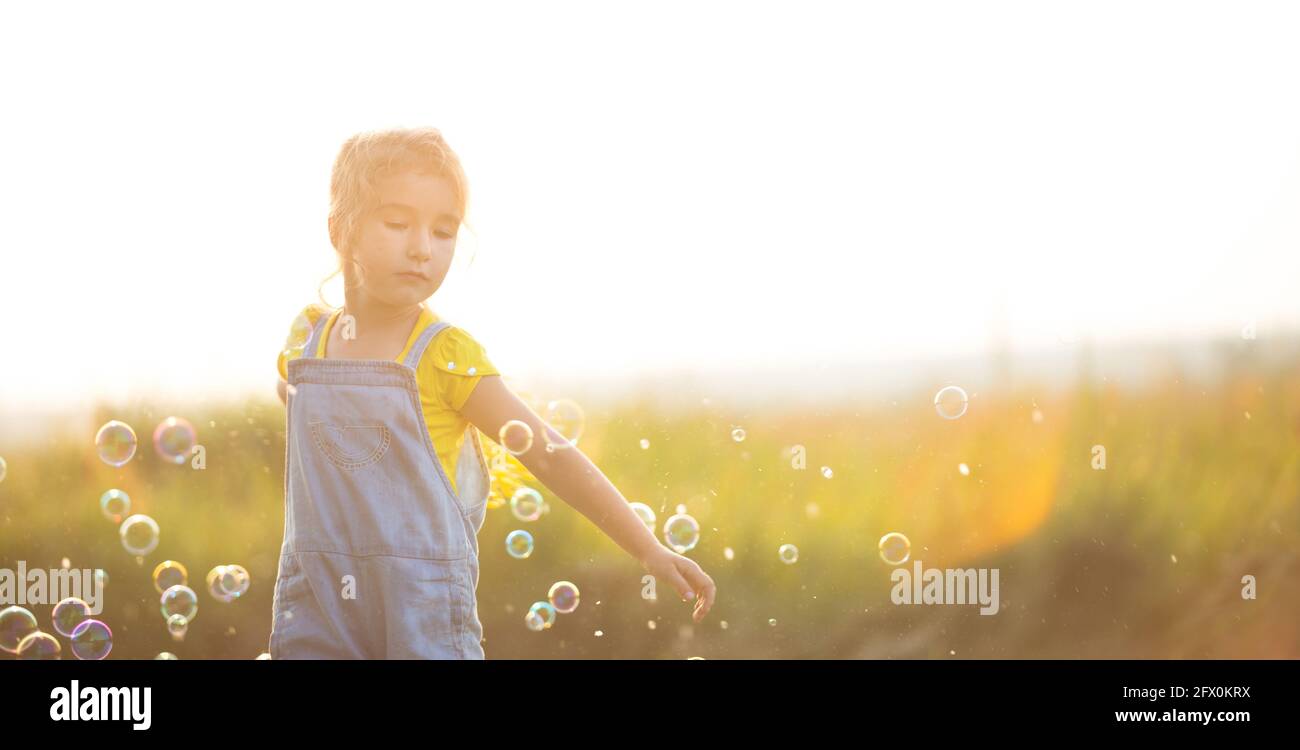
(367, 497)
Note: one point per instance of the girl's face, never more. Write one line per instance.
(405, 246)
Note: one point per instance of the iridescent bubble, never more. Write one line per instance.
(180, 600)
(516, 437)
(772, 622)
(16, 623)
(526, 505)
(68, 614)
(177, 625)
(92, 640)
(963, 469)
(645, 444)
(535, 621)
(646, 514)
(563, 596)
(826, 472)
(115, 505)
(565, 420)
(682, 532)
(234, 581)
(139, 534)
(546, 610)
(115, 442)
(519, 544)
(895, 548)
(166, 656)
(213, 582)
(788, 553)
(169, 573)
(39, 645)
(738, 434)
(950, 402)
(173, 438)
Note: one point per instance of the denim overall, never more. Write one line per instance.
(380, 555)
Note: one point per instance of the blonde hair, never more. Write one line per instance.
(368, 156)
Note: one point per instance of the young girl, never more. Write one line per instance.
(384, 495)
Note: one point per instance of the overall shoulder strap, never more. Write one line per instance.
(417, 349)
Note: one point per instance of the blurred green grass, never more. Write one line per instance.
(1141, 560)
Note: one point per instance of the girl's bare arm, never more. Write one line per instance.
(575, 479)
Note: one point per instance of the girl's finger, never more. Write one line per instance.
(705, 590)
(705, 603)
(678, 582)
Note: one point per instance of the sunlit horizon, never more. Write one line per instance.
(820, 189)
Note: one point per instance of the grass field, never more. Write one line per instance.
(1141, 559)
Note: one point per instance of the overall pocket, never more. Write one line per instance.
(351, 445)
(424, 604)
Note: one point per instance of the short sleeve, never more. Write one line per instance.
(299, 332)
(455, 362)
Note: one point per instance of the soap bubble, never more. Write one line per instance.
(646, 514)
(826, 472)
(115, 505)
(964, 469)
(950, 402)
(526, 505)
(788, 553)
(139, 534)
(169, 573)
(234, 581)
(682, 532)
(645, 444)
(565, 421)
(92, 640)
(738, 434)
(535, 621)
(516, 437)
(173, 438)
(519, 544)
(177, 625)
(213, 582)
(895, 548)
(563, 596)
(39, 645)
(166, 656)
(115, 442)
(180, 600)
(546, 610)
(16, 623)
(68, 614)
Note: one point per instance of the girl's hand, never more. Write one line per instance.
(685, 575)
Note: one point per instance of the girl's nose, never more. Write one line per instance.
(422, 248)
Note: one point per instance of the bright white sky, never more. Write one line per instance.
(654, 186)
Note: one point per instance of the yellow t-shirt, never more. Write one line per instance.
(443, 375)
